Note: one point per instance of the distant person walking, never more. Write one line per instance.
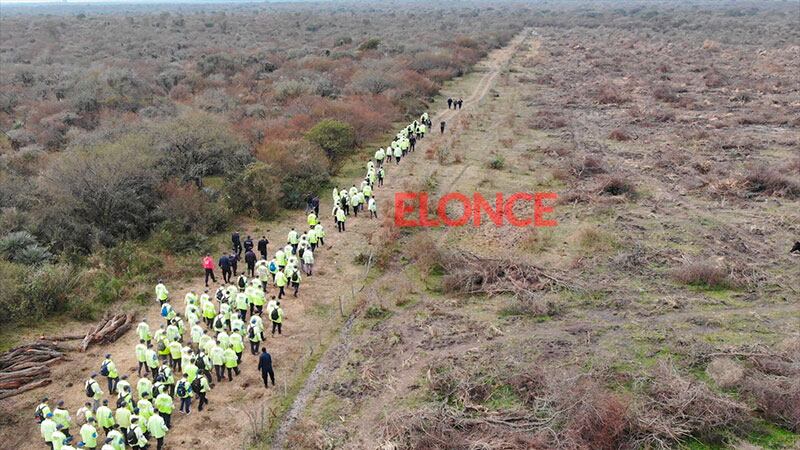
(265, 366)
(225, 266)
(262, 247)
(460, 102)
(237, 243)
(441, 126)
(449, 103)
(208, 265)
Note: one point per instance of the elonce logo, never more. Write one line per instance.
(406, 203)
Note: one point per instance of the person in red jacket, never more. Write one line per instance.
(208, 265)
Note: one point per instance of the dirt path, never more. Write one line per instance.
(494, 65)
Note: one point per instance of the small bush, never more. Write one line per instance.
(620, 135)
(376, 312)
(336, 138)
(609, 94)
(768, 181)
(725, 372)
(370, 44)
(778, 398)
(615, 185)
(497, 163)
(588, 166)
(702, 274)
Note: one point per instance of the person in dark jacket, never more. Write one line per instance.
(233, 260)
(225, 266)
(248, 244)
(412, 140)
(250, 259)
(441, 126)
(315, 205)
(265, 366)
(262, 247)
(449, 103)
(237, 243)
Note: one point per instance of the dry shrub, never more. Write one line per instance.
(793, 166)
(588, 166)
(703, 274)
(620, 135)
(608, 94)
(726, 372)
(617, 185)
(769, 181)
(677, 407)
(778, 398)
(559, 174)
(421, 248)
(665, 94)
(573, 197)
(547, 120)
(601, 422)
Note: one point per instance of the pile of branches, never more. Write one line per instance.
(26, 367)
(470, 274)
(109, 329)
(677, 407)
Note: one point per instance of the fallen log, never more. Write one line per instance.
(5, 393)
(108, 330)
(36, 352)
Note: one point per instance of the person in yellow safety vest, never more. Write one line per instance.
(293, 238)
(262, 272)
(93, 391)
(422, 130)
(201, 388)
(58, 437)
(143, 331)
(372, 177)
(398, 153)
(141, 440)
(255, 336)
(184, 392)
(104, 417)
(83, 413)
(381, 176)
(109, 370)
(89, 434)
(281, 281)
(47, 427)
(41, 410)
(258, 300)
(295, 280)
(191, 298)
(123, 384)
(231, 363)
(168, 377)
(345, 203)
(151, 357)
(225, 313)
(172, 332)
(237, 345)
(241, 304)
(340, 218)
(335, 194)
(237, 326)
(144, 386)
(68, 444)
(141, 357)
(164, 406)
(313, 238)
(209, 312)
(122, 417)
(308, 262)
(61, 417)
(372, 206)
(319, 232)
(276, 317)
(163, 349)
(117, 439)
(217, 355)
(158, 429)
(162, 294)
(107, 444)
(223, 340)
(367, 191)
(312, 219)
(145, 407)
(280, 257)
(379, 156)
(175, 355)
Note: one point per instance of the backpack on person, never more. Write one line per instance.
(131, 437)
(201, 365)
(219, 295)
(164, 310)
(161, 346)
(242, 282)
(104, 369)
(181, 390)
(251, 333)
(274, 316)
(121, 402)
(89, 389)
(196, 386)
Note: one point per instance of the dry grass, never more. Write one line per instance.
(769, 181)
(726, 372)
(703, 274)
(617, 185)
